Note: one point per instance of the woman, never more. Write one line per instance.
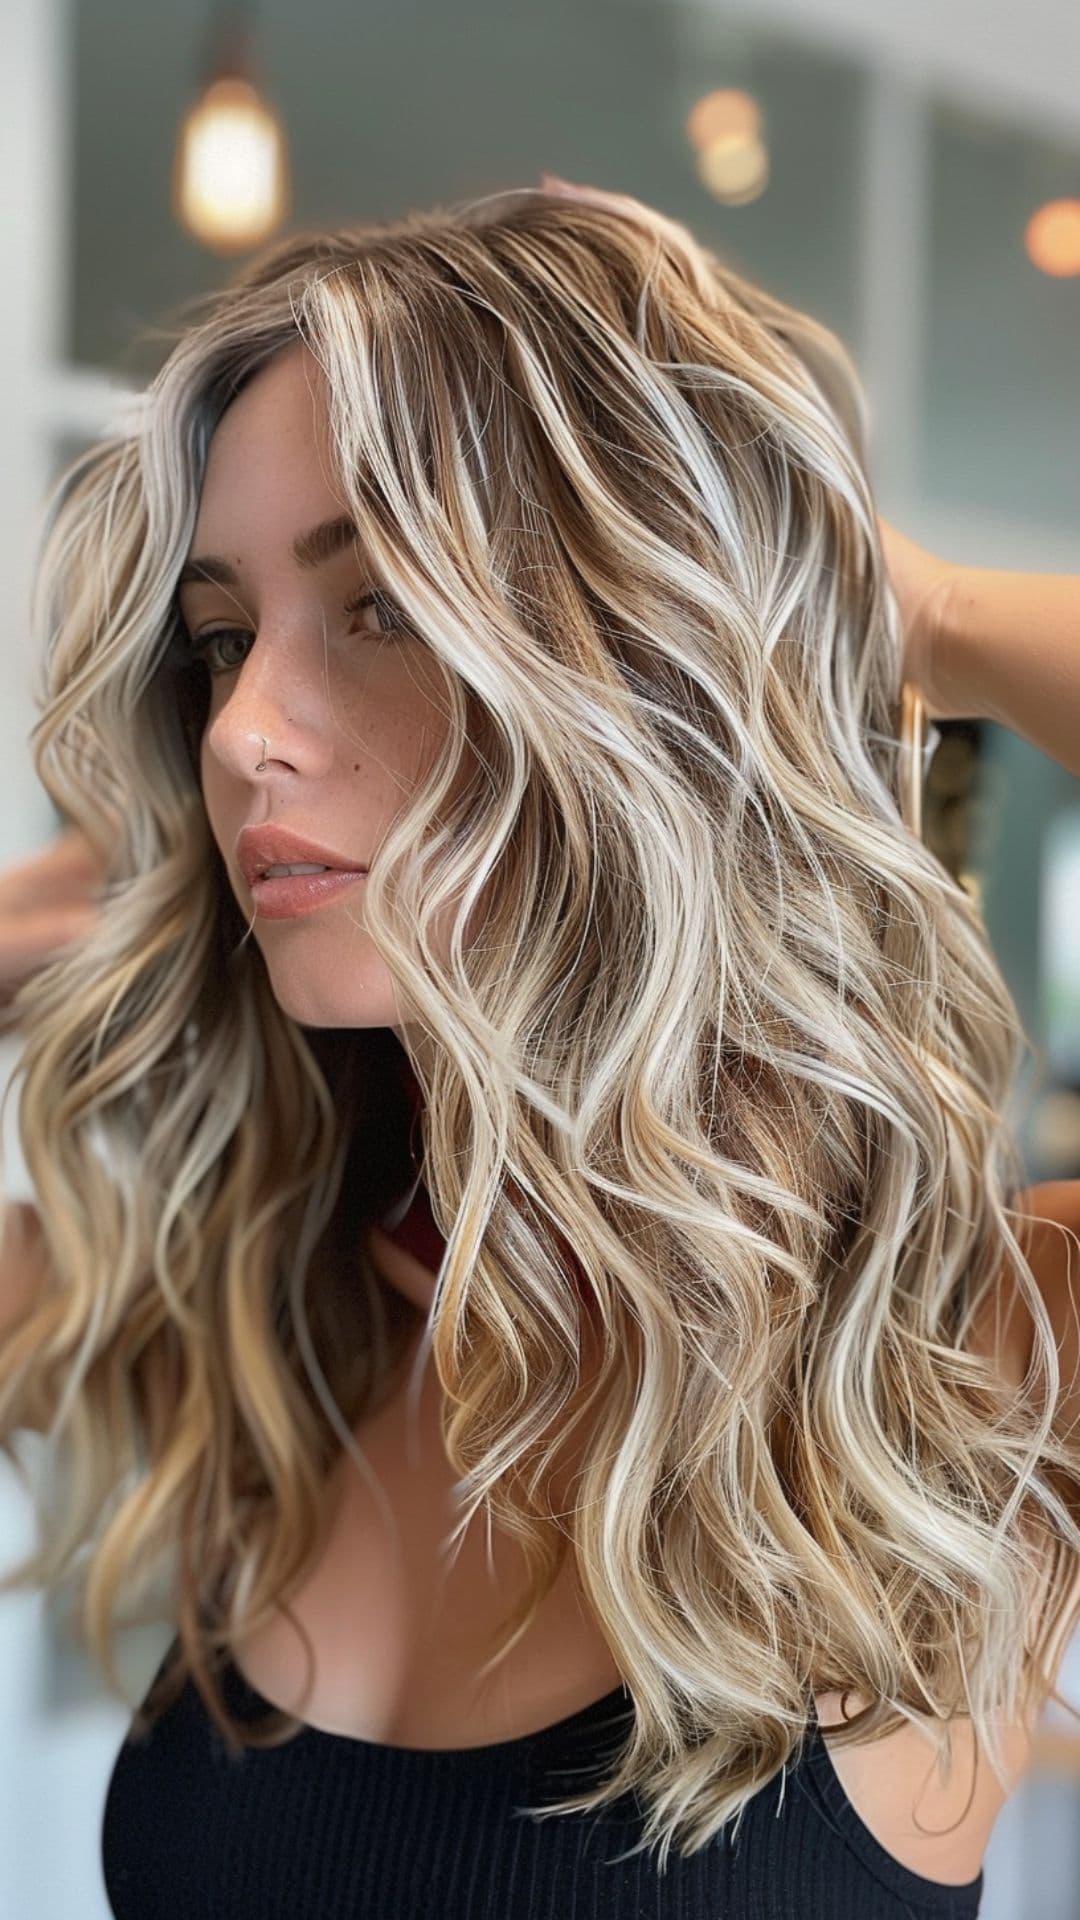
(520, 563)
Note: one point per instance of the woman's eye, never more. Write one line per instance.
(187, 651)
(388, 622)
(197, 650)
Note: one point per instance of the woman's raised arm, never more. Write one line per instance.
(1009, 644)
(985, 643)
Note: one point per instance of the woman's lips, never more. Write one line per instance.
(299, 893)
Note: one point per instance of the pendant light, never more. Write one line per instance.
(230, 170)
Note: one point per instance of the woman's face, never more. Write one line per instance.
(352, 713)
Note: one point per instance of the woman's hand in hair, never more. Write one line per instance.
(921, 583)
(47, 901)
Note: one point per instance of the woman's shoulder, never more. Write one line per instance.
(933, 1824)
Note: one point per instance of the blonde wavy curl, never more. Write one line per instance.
(731, 1032)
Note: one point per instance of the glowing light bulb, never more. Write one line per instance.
(718, 115)
(230, 186)
(725, 129)
(735, 168)
(1052, 238)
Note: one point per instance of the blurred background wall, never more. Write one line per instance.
(913, 180)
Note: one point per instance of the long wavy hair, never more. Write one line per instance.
(729, 1030)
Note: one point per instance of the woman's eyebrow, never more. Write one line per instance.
(310, 549)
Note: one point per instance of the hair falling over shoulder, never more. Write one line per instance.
(731, 1034)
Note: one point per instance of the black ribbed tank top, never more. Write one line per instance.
(330, 1827)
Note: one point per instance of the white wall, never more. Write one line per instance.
(1017, 59)
(53, 1766)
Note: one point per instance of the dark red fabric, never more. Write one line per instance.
(418, 1234)
(409, 1081)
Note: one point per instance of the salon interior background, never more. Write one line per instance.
(913, 179)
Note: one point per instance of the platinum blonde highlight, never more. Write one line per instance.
(727, 1029)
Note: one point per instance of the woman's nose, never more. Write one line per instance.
(258, 716)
